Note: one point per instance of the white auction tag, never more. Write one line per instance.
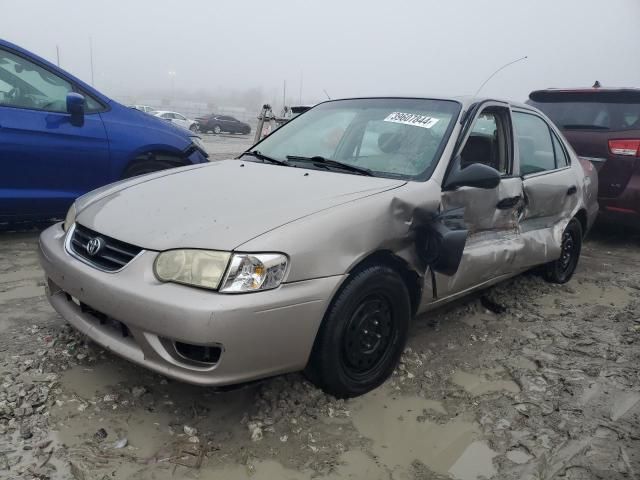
(412, 119)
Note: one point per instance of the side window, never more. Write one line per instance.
(24, 84)
(487, 142)
(92, 105)
(562, 159)
(534, 143)
(178, 116)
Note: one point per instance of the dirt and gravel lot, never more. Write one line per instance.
(526, 381)
(224, 146)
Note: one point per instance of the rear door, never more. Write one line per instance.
(180, 120)
(490, 216)
(226, 124)
(45, 160)
(550, 188)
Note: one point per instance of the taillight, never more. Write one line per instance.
(630, 148)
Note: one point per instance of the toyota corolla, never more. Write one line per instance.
(315, 248)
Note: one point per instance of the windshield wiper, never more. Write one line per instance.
(265, 158)
(585, 127)
(327, 162)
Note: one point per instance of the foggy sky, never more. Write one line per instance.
(348, 47)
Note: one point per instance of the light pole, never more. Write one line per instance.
(172, 76)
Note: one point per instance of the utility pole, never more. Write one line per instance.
(91, 57)
(58, 55)
(284, 95)
(301, 78)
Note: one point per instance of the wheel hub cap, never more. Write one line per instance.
(368, 333)
(568, 247)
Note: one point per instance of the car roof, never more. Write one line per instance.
(622, 94)
(466, 101)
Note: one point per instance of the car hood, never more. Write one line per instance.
(219, 205)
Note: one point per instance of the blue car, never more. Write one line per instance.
(60, 138)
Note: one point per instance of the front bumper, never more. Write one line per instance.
(260, 334)
(197, 156)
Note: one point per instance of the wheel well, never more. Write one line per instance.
(582, 218)
(388, 259)
(172, 159)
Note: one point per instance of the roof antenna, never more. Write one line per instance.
(325, 92)
(498, 70)
(596, 85)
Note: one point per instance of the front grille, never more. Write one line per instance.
(106, 320)
(112, 254)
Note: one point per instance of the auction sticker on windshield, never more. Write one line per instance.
(413, 119)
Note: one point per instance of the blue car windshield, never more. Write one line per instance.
(389, 137)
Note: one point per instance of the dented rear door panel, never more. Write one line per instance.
(551, 198)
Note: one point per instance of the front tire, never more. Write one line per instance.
(217, 130)
(561, 270)
(147, 166)
(362, 335)
(194, 128)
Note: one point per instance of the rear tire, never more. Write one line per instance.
(561, 270)
(362, 335)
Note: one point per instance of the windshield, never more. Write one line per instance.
(592, 115)
(391, 137)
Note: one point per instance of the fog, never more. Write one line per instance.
(243, 52)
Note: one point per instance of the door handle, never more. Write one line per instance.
(507, 203)
(572, 190)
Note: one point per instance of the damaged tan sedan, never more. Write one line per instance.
(314, 250)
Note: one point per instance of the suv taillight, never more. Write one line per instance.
(630, 148)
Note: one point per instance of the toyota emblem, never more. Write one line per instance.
(94, 246)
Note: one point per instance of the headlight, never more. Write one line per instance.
(200, 268)
(254, 272)
(197, 141)
(70, 218)
(205, 268)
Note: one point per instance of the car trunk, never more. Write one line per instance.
(591, 120)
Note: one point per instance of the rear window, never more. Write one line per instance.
(596, 113)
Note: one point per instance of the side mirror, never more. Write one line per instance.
(475, 175)
(75, 108)
(75, 104)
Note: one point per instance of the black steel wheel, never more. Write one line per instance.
(562, 269)
(363, 333)
(368, 333)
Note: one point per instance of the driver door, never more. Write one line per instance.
(490, 216)
(46, 161)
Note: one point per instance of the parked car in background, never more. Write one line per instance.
(177, 119)
(401, 205)
(60, 138)
(222, 123)
(144, 108)
(603, 126)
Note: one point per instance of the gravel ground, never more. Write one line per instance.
(220, 147)
(526, 381)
